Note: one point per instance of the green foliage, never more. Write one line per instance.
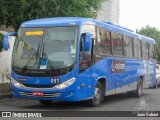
(1, 41)
(14, 12)
(154, 33)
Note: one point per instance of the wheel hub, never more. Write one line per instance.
(140, 89)
(97, 96)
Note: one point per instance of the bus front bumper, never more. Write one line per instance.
(66, 94)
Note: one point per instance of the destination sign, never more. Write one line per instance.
(34, 33)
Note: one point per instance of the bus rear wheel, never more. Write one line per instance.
(156, 85)
(138, 92)
(98, 96)
(46, 102)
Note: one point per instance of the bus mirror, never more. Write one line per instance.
(87, 41)
(5, 39)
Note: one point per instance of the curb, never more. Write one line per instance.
(5, 91)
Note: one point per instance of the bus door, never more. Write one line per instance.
(85, 62)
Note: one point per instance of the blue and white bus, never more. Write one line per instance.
(75, 59)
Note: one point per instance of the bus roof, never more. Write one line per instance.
(67, 21)
(57, 21)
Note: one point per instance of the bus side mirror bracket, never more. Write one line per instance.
(5, 39)
(87, 41)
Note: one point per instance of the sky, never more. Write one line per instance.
(135, 14)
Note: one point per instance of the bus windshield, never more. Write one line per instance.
(45, 48)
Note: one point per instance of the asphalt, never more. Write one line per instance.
(5, 91)
(120, 102)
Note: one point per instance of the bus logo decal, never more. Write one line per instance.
(118, 66)
(37, 81)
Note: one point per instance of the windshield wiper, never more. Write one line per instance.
(44, 54)
(37, 54)
(25, 66)
(63, 42)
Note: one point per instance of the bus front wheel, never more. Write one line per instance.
(98, 96)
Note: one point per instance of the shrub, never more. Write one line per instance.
(1, 41)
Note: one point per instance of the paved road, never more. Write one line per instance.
(120, 102)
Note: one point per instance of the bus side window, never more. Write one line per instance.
(128, 46)
(140, 49)
(144, 50)
(117, 44)
(104, 42)
(151, 51)
(154, 51)
(137, 48)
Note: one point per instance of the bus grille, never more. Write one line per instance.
(46, 95)
(38, 86)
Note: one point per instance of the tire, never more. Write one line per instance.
(45, 102)
(138, 92)
(98, 96)
(156, 85)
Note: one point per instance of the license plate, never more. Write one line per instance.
(37, 93)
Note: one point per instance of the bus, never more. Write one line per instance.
(76, 59)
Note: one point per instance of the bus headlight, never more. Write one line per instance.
(65, 84)
(16, 83)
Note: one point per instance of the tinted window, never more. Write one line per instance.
(152, 53)
(137, 48)
(128, 48)
(104, 42)
(117, 44)
(140, 46)
(145, 50)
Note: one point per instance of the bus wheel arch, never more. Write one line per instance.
(103, 84)
(141, 77)
(99, 93)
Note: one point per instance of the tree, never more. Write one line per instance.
(154, 33)
(1, 41)
(14, 12)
